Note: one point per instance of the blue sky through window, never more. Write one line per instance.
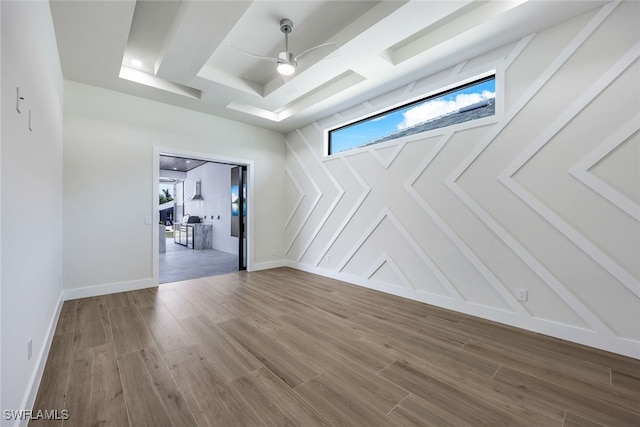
(369, 130)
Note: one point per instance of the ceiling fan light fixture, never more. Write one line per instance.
(286, 64)
(286, 68)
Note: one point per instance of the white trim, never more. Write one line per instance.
(36, 377)
(575, 236)
(386, 213)
(459, 243)
(581, 170)
(536, 266)
(335, 202)
(301, 195)
(268, 265)
(570, 333)
(352, 212)
(313, 204)
(108, 288)
(385, 258)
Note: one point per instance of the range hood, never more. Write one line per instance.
(197, 195)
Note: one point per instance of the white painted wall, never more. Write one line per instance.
(109, 141)
(545, 196)
(30, 197)
(216, 191)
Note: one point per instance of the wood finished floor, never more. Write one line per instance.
(284, 347)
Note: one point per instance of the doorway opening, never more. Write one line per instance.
(202, 216)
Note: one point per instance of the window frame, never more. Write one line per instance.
(433, 94)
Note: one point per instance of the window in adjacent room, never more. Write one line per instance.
(464, 102)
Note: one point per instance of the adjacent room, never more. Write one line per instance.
(322, 212)
(200, 225)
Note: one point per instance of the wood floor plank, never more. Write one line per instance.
(85, 302)
(508, 335)
(541, 363)
(410, 330)
(177, 304)
(95, 391)
(138, 298)
(286, 347)
(575, 420)
(474, 411)
(565, 399)
(275, 402)
(224, 353)
(335, 323)
(585, 378)
(416, 412)
(67, 319)
(213, 401)
(257, 300)
(53, 386)
(614, 361)
(627, 381)
(93, 326)
(205, 304)
(165, 329)
(268, 352)
(439, 355)
(322, 300)
(357, 350)
(129, 331)
(151, 395)
(340, 407)
(340, 370)
(242, 309)
(477, 382)
(423, 326)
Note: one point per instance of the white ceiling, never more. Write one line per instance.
(186, 60)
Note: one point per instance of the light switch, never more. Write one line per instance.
(147, 220)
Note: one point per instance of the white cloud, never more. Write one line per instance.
(439, 107)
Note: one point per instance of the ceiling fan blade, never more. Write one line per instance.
(317, 53)
(253, 55)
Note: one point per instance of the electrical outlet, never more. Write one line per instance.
(29, 348)
(521, 294)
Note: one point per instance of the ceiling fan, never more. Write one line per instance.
(288, 62)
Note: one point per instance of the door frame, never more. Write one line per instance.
(208, 157)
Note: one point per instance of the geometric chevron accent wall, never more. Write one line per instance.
(543, 196)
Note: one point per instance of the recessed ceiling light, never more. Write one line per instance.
(136, 63)
(175, 169)
(188, 161)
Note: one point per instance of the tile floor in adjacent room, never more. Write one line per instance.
(181, 263)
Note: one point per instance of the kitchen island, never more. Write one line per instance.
(194, 235)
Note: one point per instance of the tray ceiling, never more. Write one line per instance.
(177, 52)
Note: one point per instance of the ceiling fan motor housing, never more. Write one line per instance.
(286, 25)
(286, 57)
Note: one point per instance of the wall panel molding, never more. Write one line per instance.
(581, 169)
(461, 225)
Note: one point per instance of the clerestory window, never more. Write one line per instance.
(469, 101)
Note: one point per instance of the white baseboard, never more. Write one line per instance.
(108, 288)
(574, 334)
(36, 377)
(267, 265)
